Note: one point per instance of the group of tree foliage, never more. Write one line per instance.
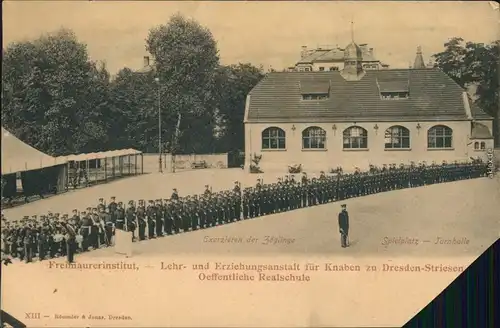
(474, 66)
(59, 101)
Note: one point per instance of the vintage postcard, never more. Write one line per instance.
(227, 164)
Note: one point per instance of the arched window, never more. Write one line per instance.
(483, 145)
(273, 138)
(313, 138)
(476, 145)
(397, 137)
(439, 136)
(355, 137)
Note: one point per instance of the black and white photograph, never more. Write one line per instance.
(225, 164)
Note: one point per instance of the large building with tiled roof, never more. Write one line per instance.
(356, 117)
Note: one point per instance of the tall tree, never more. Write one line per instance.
(475, 64)
(53, 96)
(186, 58)
(234, 82)
(134, 111)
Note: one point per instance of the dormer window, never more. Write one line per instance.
(394, 90)
(315, 96)
(315, 90)
(321, 69)
(394, 95)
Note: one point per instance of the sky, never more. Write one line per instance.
(264, 33)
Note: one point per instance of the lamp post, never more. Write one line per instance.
(157, 80)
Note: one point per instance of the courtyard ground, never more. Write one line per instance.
(465, 210)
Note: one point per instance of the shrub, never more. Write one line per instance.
(336, 170)
(254, 167)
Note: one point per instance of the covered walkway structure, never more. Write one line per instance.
(92, 168)
(28, 172)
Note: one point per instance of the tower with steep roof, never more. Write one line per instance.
(419, 59)
(353, 60)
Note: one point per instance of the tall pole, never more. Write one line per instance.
(352, 28)
(160, 168)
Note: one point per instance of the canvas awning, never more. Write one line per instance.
(100, 155)
(18, 156)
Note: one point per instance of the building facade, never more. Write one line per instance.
(329, 58)
(356, 117)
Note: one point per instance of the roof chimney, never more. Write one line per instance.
(146, 61)
(304, 52)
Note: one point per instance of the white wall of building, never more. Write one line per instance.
(339, 65)
(334, 155)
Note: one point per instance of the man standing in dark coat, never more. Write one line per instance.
(344, 226)
(120, 216)
(112, 207)
(70, 241)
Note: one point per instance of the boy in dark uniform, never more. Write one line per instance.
(151, 213)
(141, 219)
(112, 207)
(344, 226)
(101, 205)
(42, 242)
(305, 193)
(76, 217)
(130, 214)
(193, 213)
(120, 216)
(159, 218)
(94, 230)
(85, 230)
(109, 226)
(177, 215)
(28, 244)
(168, 217)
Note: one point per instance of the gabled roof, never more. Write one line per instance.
(18, 156)
(433, 96)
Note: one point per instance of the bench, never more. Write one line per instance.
(199, 165)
